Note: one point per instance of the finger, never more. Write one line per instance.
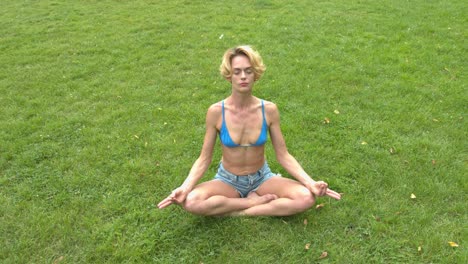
(164, 204)
(175, 193)
(333, 194)
(165, 200)
(323, 189)
(331, 191)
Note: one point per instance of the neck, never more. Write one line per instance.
(241, 100)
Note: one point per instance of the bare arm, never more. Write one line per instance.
(204, 160)
(201, 164)
(288, 162)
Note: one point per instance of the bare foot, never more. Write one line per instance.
(252, 194)
(255, 199)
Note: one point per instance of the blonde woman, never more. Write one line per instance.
(244, 183)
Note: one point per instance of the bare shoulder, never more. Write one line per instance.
(271, 108)
(272, 112)
(214, 113)
(215, 108)
(269, 104)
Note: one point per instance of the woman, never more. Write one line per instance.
(244, 184)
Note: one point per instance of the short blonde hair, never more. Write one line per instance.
(254, 58)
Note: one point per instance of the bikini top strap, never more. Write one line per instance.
(263, 110)
(222, 107)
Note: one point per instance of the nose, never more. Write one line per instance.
(243, 75)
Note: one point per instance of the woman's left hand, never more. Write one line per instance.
(320, 188)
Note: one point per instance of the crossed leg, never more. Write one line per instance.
(293, 198)
(276, 197)
(218, 198)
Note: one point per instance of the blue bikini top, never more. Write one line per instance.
(227, 140)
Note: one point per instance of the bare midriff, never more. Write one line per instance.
(243, 160)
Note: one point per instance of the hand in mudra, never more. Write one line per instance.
(320, 188)
(177, 196)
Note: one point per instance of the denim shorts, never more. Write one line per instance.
(247, 183)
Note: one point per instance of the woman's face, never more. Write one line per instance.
(243, 76)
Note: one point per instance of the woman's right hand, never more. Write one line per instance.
(177, 196)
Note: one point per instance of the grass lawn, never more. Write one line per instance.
(102, 107)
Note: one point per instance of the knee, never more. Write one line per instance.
(305, 199)
(192, 203)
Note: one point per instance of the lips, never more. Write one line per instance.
(244, 84)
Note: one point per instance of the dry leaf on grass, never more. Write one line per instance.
(336, 112)
(305, 222)
(318, 206)
(326, 120)
(413, 196)
(323, 255)
(453, 244)
(307, 246)
(58, 260)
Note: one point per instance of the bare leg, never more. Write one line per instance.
(217, 198)
(294, 198)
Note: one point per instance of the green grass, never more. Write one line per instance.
(102, 107)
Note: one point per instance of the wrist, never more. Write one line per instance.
(309, 184)
(186, 187)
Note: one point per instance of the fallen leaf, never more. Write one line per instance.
(305, 221)
(326, 120)
(319, 206)
(453, 244)
(392, 150)
(221, 36)
(363, 143)
(323, 255)
(434, 162)
(435, 120)
(307, 246)
(419, 249)
(136, 136)
(413, 196)
(336, 112)
(59, 259)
